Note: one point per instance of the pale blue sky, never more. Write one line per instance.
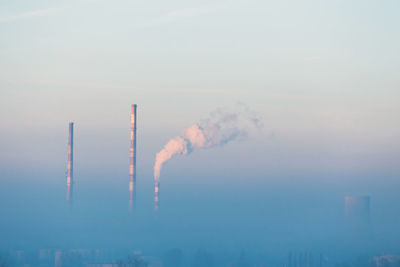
(322, 74)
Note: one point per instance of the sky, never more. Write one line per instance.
(321, 75)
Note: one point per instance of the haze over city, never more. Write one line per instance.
(199, 133)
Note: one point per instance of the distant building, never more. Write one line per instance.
(357, 207)
(357, 219)
(386, 261)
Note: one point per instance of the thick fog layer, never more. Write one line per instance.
(264, 219)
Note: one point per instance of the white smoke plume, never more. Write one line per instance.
(220, 128)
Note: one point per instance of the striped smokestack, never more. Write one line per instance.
(132, 162)
(70, 164)
(156, 191)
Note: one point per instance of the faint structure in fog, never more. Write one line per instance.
(70, 164)
(301, 260)
(357, 207)
(357, 211)
(58, 258)
(386, 260)
(132, 163)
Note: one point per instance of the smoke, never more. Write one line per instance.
(220, 128)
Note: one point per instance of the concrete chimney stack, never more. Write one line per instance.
(156, 191)
(132, 163)
(70, 164)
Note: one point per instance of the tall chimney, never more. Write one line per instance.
(156, 191)
(132, 163)
(70, 164)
